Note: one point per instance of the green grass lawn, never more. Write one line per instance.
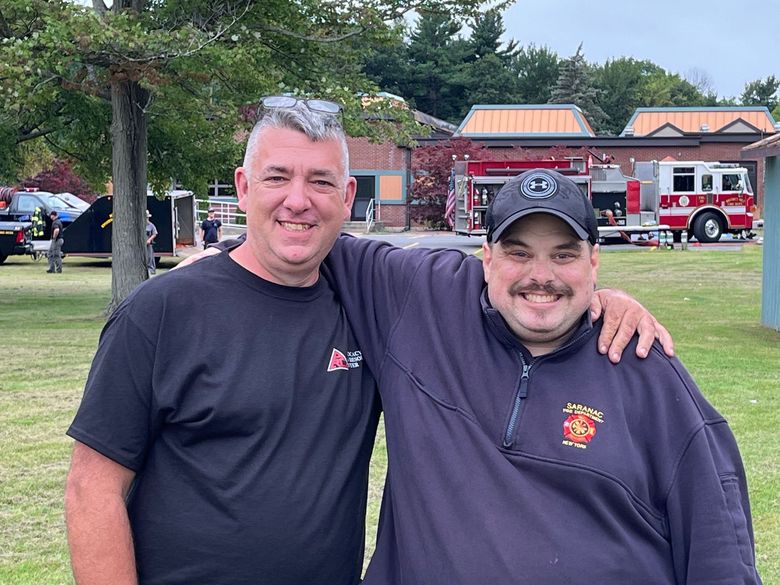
(50, 324)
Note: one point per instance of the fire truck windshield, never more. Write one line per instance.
(746, 183)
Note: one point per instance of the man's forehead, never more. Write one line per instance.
(539, 225)
(274, 137)
(280, 149)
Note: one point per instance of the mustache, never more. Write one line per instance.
(541, 289)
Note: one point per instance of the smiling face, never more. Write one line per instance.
(541, 278)
(296, 198)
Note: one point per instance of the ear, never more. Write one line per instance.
(242, 187)
(594, 263)
(350, 189)
(487, 259)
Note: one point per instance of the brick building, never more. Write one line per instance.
(383, 173)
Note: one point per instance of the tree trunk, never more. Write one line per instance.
(129, 142)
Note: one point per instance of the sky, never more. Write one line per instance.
(732, 42)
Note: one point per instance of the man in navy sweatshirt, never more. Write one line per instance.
(517, 453)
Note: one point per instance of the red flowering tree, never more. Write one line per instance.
(60, 178)
(431, 166)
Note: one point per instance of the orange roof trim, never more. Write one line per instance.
(506, 121)
(649, 121)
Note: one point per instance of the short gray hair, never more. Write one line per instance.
(318, 126)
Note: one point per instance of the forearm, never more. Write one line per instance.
(99, 538)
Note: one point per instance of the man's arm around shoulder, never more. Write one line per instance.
(99, 536)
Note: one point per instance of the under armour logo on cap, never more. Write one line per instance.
(538, 186)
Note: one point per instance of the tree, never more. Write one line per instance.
(761, 92)
(661, 89)
(575, 85)
(620, 83)
(148, 91)
(60, 178)
(537, 71)
(703, 82)
(432, 166)
(435, 79)
(488, 77)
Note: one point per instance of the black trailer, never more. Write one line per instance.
(173, 216)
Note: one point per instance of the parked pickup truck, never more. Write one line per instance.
(21, 206)
(14, 239)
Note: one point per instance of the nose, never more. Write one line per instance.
(541, 271)
(297, 199)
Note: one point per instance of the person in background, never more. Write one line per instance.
(55, 247)
(210, 229)
(151, 236)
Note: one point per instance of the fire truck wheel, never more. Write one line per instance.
(708, 227)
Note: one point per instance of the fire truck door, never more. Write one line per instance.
(707, 187)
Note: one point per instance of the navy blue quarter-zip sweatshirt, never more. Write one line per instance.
(507, 469)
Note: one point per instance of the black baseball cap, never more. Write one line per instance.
(541, 191)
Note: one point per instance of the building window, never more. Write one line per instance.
(217, 189)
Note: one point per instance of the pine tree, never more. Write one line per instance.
(575, 85)
(488, 77)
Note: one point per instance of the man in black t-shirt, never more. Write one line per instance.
(210, 229)
(191, 467)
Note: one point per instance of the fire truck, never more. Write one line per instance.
(705, 199)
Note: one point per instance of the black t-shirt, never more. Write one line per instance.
(210, 229)
(248, 415)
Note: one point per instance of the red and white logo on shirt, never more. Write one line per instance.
(339, 361)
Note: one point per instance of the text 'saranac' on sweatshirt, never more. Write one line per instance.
(578, 469)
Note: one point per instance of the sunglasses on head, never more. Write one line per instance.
(287, 102)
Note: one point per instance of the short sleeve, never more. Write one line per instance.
(116, 416)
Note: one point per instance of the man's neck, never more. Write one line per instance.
(245, 257)
(540, 348)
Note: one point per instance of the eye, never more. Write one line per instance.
(565, 256)
(323, 183)
(519, 254)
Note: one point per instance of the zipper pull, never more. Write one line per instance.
(523, 392)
